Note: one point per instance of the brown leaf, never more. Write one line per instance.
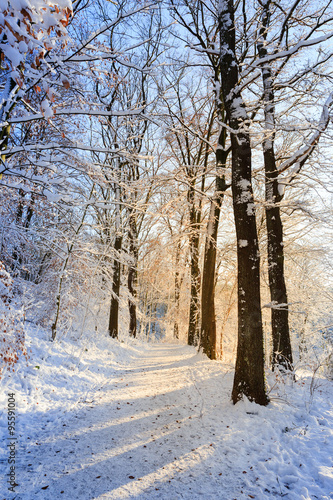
(26, 13)
(66, 84)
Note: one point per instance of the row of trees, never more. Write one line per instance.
(122, 146)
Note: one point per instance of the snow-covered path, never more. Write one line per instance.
(163, 427)
(142, 435)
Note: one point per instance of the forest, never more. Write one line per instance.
(166, 198)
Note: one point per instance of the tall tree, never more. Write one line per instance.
(190, 120)
(275, 48)
(198, 19)
(116, 276)
(282, 353)
(249, 373)
(208, 316)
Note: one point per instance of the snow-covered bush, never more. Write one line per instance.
(28, 32)
(12, 334)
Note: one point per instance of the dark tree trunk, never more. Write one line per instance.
(30, 212)
(19, 250)
(282, 353)
(16, 255)
(193, 327)
(208, 317)
(132, 274)
(131, 304)
(114, 307)
(194, 316)
(20, 207)
(249, 373)
(42, 267)
(177, 294)
(148, 315)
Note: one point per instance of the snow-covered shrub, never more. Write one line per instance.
(12, 334)
(329, 370)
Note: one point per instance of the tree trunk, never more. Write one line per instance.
(114, 307)
(42, 267)
(282, 353)
(249, 373)
(30, 211)
(208, 318)
(194, 316)
(132, 274)
(177, 293)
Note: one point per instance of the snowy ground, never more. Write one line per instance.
(135, 421)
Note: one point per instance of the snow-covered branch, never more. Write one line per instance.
(302, 154)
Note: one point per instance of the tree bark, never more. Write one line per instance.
(194, 316)
(282, 352)
(249, 372)
(17, 252)
(132, 273)
(208, 317)
(114, 307)
(177, 293)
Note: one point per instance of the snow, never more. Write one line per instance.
(243, 243)
(244, 184)
(302, 154)
(237, 108)
(276, 305)
(101, 419)
(281, 188)
(23, 47)
(74, 111)
(250, 210)
(13, 54)
(46, 108)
